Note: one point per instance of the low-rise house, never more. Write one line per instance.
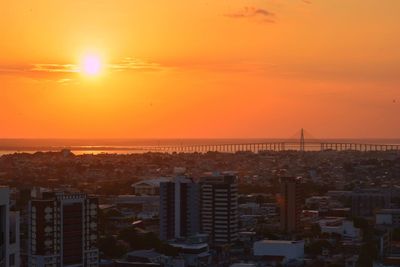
(341, 226)
(388, 217)
(279, 251)
(149, 187)
(193, 254)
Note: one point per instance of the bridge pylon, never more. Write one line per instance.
(302, 141)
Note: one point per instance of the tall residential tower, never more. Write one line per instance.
(63, 231)
(9, 231)
(179, 208)
(219, 208)
(291, 203)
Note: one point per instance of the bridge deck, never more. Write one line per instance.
(273, 146)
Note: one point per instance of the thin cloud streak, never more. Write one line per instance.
(134, 64)
(253, 13)
(65, 72)
(62, 68)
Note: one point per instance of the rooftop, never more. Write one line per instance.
(387, 211)
(148, 254)
(269, 241)
(153, 182)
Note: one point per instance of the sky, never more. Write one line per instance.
(200, 69)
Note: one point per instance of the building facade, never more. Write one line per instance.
(9, 232)
(219, 208)
(341, 226)
(291, 204)
(388, 217)
(63, 231)
(280, 250)
(179, 208)
(149, 187)
(366, 202)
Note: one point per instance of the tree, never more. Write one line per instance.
(315, 230)
(360, 223)
(368, 254)
(396, 234)
(110, 247)
(266, 233)
(315, 248)
(149, 240)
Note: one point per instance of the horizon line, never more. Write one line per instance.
(186, 138)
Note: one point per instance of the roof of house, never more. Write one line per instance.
(388, 211)
(152, 182)
(148, 254)
(268, 241)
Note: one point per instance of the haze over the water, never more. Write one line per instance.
(126, 146)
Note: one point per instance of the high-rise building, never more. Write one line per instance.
(291, 204)
(63, 231)
(365, 202)
(179, 208)
(9, 231)
(219, 208)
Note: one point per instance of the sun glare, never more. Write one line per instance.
(91, 65)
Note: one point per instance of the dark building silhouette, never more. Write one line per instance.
(179, 208)
(219, 208)
(63, 230)
(291, 204)
(365, 202)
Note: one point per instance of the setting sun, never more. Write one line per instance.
(91, 65)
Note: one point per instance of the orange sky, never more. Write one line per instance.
(206, 69)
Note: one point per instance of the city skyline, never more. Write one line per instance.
(227, 133)
(199, 69)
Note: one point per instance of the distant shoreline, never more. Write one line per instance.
(128, 144)
(134, 146)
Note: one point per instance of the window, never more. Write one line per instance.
(12, 259)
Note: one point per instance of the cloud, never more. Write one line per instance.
(60, 68)
(129, 63)
(62, 81)
(40, 70)
(259, 14)
(64, 73)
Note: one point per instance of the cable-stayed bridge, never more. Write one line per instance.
(291, 144)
